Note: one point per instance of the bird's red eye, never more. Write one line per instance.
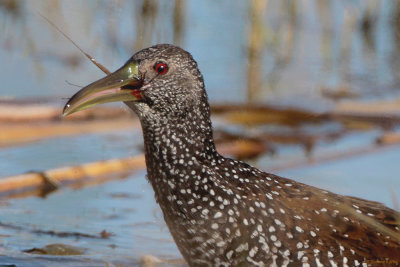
(161, 68)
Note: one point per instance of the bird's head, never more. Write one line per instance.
(159, 80)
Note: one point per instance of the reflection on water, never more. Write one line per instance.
(279, 50)
(58, 152)
(136, 222)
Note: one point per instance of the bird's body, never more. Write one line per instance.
(222, 212)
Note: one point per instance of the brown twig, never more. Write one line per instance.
(16, 133)
(34, 181)
(92, 59)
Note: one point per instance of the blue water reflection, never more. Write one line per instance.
(309, 45)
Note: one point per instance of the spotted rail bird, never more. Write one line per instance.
(223, 212)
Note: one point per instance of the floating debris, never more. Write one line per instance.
(57, 249)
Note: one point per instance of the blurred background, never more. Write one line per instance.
(308, 89)
(261, 51)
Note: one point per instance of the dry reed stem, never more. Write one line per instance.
(389, 138)
(70, 174)
(12, 133)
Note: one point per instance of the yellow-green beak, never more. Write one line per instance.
(121, 85)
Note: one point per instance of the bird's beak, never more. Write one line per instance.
(121, 85)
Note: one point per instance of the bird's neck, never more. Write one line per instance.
(172, 145)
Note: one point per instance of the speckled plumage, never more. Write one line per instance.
(223, 212)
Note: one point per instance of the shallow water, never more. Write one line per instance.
(74, 150)
(125, 208)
